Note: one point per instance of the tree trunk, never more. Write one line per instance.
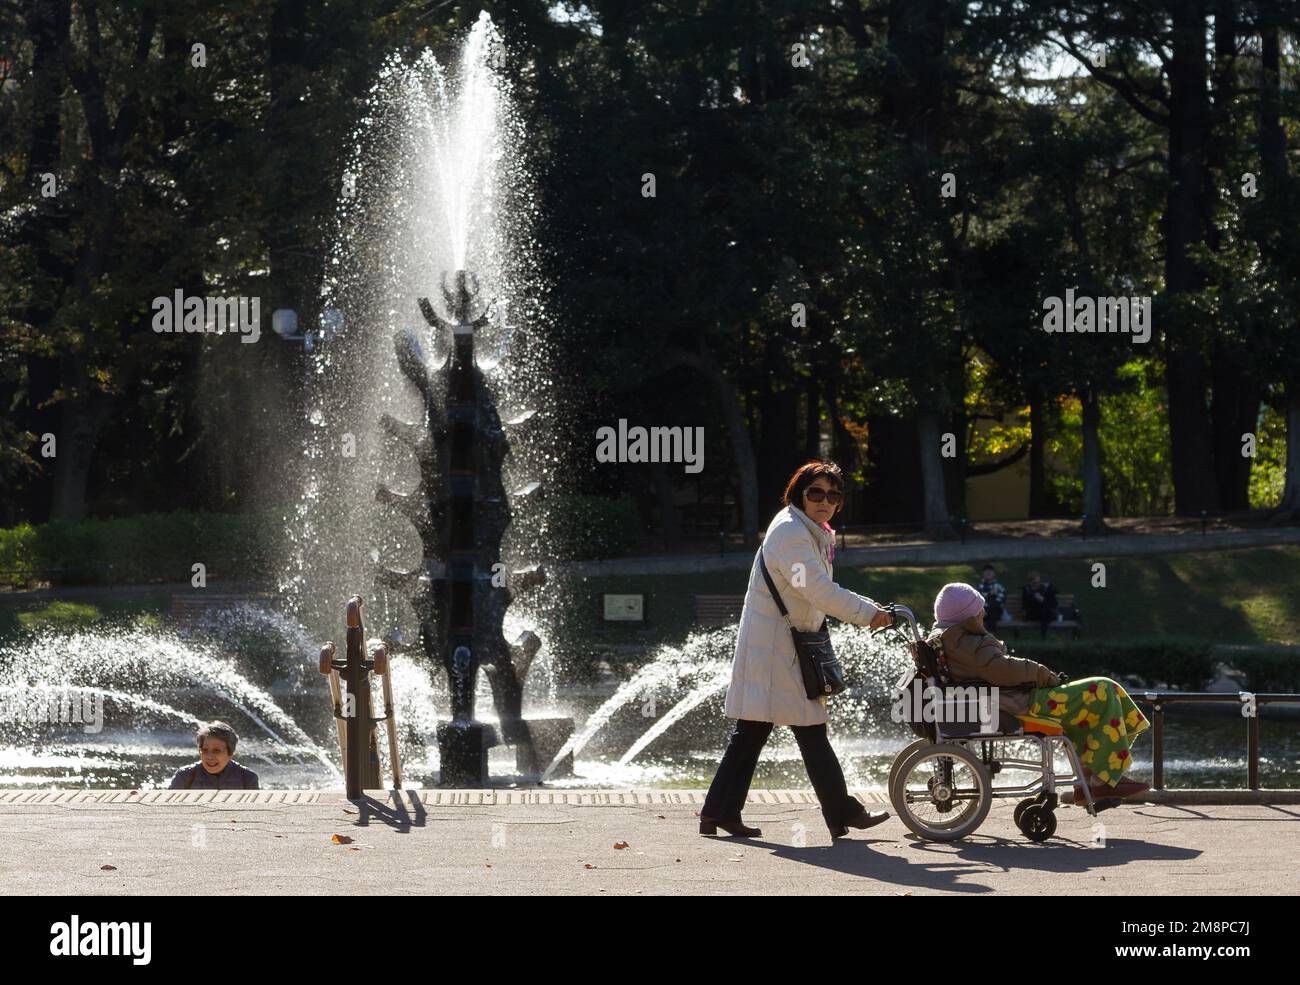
(1042, 500)
(1234, 394)
(938, 525)
(48, 25)
(670, 526)
(742, 450)
(1272, 145)
(1235, 412)
(954, 469)
(1192, 452)
(82, 417)
(894, 490)
(779, 440)
(291, 270)
(844, 447)
(1093, 501)
(812, 432)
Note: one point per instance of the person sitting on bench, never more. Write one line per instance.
(995, 597)
(216, 770)
(1039, 601)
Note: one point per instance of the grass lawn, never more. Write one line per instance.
(17, 618)
(1250, 595)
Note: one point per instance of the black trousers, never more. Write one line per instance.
(730, 784)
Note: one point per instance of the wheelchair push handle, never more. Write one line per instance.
(900, 616)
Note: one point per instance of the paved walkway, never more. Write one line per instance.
(564, 842)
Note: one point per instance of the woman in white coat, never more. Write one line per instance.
(766, 683)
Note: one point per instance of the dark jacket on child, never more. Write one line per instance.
(233, 777)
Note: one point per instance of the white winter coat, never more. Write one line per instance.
(766, 685)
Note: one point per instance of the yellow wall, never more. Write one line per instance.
(1002, 495)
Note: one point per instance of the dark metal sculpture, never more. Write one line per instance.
(460, 511)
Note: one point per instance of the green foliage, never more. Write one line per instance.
(983, 401)
(60, 614)
(17, 555)
(1065, 449)
(1181, 663)
(1266, 668)
(140, 549)
(1268, 471)
(1135, 444)
(776, 185)
(1134, 431)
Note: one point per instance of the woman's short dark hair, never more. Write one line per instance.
(805, 475)
(219, 730)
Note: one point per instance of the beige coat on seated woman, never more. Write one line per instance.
(766, 682)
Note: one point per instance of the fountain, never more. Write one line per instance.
(460, 511)
(437, 191)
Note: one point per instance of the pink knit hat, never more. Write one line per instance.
(957, 602)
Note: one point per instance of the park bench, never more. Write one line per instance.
(1013, 616)
(718, 610)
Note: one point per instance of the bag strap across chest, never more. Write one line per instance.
(771, 587)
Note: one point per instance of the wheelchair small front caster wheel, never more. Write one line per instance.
(1023, 806)
(1037, 823)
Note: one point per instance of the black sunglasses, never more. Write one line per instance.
(816, 494)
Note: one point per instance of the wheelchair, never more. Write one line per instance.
(942, 785)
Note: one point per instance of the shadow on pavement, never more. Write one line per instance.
(395, 815)
(955, 867)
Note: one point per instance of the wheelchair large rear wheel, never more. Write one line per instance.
(941, 791)
(901, 758)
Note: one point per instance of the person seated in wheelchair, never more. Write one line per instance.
(1095, 713)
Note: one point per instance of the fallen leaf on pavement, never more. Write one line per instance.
(341, 839)
(620, 844)
(108, 868)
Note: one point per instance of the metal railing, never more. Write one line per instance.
(1248, 702)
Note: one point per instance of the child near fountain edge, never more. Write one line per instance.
(215, 770)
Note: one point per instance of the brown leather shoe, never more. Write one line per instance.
(867, 819)
(1125, 788)
(710, 825)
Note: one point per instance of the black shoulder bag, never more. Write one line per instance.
(822, 673)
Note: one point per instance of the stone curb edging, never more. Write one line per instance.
(429, 798)
(538, 798)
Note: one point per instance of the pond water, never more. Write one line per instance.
(663, 727)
